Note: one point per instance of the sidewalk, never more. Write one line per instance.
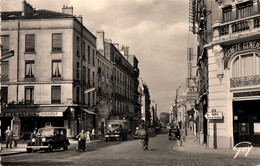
(192, 145)
(21, 147)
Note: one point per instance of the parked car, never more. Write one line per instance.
(49, 138)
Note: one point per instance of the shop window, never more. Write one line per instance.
(56, 42)
(244, 9)
(29, 95)
(5, 43)
(55, 94)
(246, 65)
(29, 43)
(29, 69)
(227, 13)
(56, 69)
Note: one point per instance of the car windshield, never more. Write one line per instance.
(46, 132)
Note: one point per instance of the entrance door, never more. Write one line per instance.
(246, 121)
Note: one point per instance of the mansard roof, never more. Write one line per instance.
(35, 14)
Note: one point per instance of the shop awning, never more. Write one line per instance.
(42, 111)
(89, 112)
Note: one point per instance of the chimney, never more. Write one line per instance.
(100, 42)
(108, 40)
(80, 18)
(116, 45)
(27, 8)
(67, 10)
(126, 52)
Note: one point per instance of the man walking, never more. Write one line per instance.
(8, 136)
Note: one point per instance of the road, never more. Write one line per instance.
(162, 152)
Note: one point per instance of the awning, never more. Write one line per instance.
(89, 112)
(41, 111)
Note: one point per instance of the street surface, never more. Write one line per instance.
(162, 152)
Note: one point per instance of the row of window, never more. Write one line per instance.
(242, 10)
(56, 46)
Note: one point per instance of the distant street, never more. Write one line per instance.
(163, 152)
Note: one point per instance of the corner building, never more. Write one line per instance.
(234, 72)
(52, 61)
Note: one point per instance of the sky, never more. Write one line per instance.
(156, 32)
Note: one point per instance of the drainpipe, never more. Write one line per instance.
(18, 52)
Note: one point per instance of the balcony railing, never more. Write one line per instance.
(234, 28)
(245, 81)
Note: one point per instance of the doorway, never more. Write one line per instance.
(246, 121)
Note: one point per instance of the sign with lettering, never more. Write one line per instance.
(229, 51)
(50, 114)
(214, 115)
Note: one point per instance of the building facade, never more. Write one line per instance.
(125, 103)
(53, 63)
(232, 58)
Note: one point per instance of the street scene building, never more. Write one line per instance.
(53, 75)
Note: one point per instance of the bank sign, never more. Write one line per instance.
(231, 50)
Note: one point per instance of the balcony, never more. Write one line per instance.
(240, 28)
(245, 81)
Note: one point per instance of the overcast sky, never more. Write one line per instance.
(155, 30)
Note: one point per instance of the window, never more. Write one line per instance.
(5, 43)
(56, 69)
(245, 9)
(77, 95)
(88, 76)
(246, 65)
(78, 46)
(93, 74)
(89, 54)
(4, 71)
(93, 57)
(84, 50)
(29, 95)
(227, 13)
(55, 94)
(56, 42)
(78, 70)
(29, 69)
(29, 43)
(4, 95)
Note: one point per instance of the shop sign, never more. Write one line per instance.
(50, 114)
(20, 114)
(229, 51)
(103, 111)
(214, 115)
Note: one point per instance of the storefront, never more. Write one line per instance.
(23, 120)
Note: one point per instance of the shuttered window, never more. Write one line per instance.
(56, 42)
(5, 43)
(29, 43)
(56, 94)
(245, 9)
(29, 95)
(4, 71)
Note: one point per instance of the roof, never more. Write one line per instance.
(36, 14)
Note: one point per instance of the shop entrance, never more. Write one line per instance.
(246, 121)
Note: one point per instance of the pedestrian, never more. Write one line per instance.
(82, 141)
(178, 133)
(34, 133)
(88, 136)
(93, 134)
(8, 136)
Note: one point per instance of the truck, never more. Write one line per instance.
(117, 130)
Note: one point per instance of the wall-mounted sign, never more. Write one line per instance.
(50, 114)
(229, 51)
(214, 115)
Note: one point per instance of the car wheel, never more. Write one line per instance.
(65, 146)
(50, 147)
(29, 150)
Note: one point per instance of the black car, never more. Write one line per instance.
(49, 138)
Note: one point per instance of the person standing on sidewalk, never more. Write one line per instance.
(93, 134)
(8, 136)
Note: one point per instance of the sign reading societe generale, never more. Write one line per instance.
(229, 51)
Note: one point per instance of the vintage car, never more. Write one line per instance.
(49, 138)
(172, 133)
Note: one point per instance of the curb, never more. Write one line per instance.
(12, 153)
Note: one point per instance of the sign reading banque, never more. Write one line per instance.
(229, 51)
